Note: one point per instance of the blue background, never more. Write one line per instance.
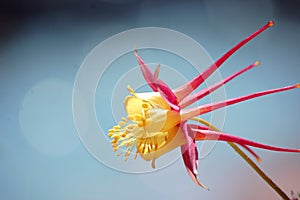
(42, 45)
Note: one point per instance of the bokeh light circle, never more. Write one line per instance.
(100, 88)
(50, 131)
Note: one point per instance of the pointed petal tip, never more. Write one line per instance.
(298, 85)
(203, 186)
(194, 178)
(156, 73)
(257, 63)
(186, 89)
(153, 163)
(258, 160)
(200, 184)
(135, 53)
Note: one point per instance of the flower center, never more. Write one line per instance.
(141, 131)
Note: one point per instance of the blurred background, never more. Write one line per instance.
(42, 45)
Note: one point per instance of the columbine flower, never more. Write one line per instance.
(157, 122)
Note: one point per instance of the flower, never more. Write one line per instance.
(159, 121)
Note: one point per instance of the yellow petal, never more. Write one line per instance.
(155, 98)
(157, 120)
(133, 105)
(176, 139)
(173, 119)
(162, 120)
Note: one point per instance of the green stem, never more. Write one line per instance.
(249, 161)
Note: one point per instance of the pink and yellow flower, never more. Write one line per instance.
(159, 121)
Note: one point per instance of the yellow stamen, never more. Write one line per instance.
(110, 134)
(140, 124)
(113, 141)
(145, 106)
(127, 153)
(111, 130)
(115, 149)
(130, 117)
(138, 117)
(131, 126)
(116, 137)
(122, 123)
(128, 144)
(123, 135)
(130, 90)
